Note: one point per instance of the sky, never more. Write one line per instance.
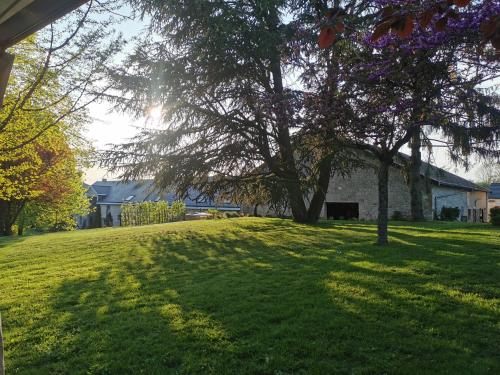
(109, 127)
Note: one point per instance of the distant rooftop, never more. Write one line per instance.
(118, 192)
(445, 178)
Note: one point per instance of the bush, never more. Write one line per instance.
(495, 211)
(495, 220)
(231, 214)
(450, 213)
(216, 214)
(495, 216)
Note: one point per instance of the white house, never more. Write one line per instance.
(107, 198)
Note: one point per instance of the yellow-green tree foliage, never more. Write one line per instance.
(38, 155)
(42, 179)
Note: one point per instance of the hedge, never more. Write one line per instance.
(134, 214)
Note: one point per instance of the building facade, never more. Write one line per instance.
(494, 196)
(356, 196)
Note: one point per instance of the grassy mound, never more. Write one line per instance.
(253, 296)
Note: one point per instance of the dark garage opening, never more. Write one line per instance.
(342, 210)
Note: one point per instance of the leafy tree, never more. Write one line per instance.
(246, 93)
(40, 147)
(219, 71)
(57, 74)
(402, 18)
(413, 78)
(40, 185)
(489, 172)
(56, 211)
(266, 191)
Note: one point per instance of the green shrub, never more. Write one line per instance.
(450, 213)
(178, 208)
(495, 220)
(231, 214)
(495, 211)
(216, 214)
(495, 216)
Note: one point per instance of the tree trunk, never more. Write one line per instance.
(383, 202)
(3, 216)
(255, 210)
(290, 173)
(319, 196)
(296, 199)
(9, 211)
(415, 180)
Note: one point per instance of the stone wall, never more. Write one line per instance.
(361, 187)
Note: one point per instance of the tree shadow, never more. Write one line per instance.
(7, 241)
(246, 301)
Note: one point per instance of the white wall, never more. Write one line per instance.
(443, 196)
(115, 211)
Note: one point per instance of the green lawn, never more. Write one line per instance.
(253, 296)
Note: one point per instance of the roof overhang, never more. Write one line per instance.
(21, 18)
(460, 187)
(187, 206)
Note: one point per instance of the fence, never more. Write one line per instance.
(134, 214)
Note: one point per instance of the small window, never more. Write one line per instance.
(129, 198)
(157, 199)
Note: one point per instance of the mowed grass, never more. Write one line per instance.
(253, 296)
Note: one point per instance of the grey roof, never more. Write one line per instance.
(494, 190)
(441, 177)
(117, 192)
(102, 189)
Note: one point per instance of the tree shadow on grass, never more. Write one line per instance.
(6, 241)
(242, 301)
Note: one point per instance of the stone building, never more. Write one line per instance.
(356, 196)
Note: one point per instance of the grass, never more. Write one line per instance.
(253, 296)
